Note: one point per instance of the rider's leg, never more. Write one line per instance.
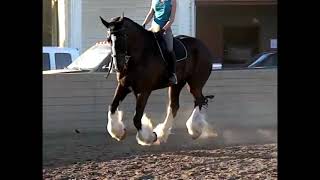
(168, 37)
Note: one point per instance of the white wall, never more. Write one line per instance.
(184, 18)
(92, 28)
(84, 29)
(243, 99)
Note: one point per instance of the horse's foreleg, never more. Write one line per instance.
(163, 130)
(145, 136)
(115, 126)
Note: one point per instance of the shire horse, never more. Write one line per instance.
(141, 68)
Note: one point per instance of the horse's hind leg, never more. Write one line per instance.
(163, 130)
(197, 121)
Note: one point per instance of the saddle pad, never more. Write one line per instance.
(179, 49)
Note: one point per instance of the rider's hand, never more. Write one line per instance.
(162, 31)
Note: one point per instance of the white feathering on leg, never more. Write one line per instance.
(162, 135)
(195, 123)
(145, 136)
(163, 130)
(198, 126)
(115, 125)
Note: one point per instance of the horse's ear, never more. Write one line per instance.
(121, 17)
(104, 22)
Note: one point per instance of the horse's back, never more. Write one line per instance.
(197, 68)
(195, 45)
(198, 53)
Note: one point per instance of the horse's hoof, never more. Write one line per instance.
(124, 135)
(119, 137)
(162, 133)
(146, 140)
(156, 137)
(156, 140)
(195, 135)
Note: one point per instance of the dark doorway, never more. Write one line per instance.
(240, 44)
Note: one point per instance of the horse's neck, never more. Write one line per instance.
(140, 40)
(138, 34)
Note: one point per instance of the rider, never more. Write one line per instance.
(164, 13)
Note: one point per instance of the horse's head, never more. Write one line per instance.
(117, 37)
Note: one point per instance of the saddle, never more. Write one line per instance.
(178, 47)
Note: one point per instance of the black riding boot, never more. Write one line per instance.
(172, 68)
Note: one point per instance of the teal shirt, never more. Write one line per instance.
(162, 11)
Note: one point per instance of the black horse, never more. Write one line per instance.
(141, 68)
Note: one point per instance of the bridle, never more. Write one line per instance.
(119, 55)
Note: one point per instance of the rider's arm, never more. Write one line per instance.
(148, 17)
(172, 16)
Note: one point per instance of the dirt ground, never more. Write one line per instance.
(94, 155)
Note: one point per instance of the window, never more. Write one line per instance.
(62, 60)
(45, 61)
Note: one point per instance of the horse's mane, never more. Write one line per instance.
(146, 34)
(130, 21)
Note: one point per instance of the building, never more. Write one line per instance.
(234, 30)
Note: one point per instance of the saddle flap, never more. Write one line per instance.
(179, 49)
